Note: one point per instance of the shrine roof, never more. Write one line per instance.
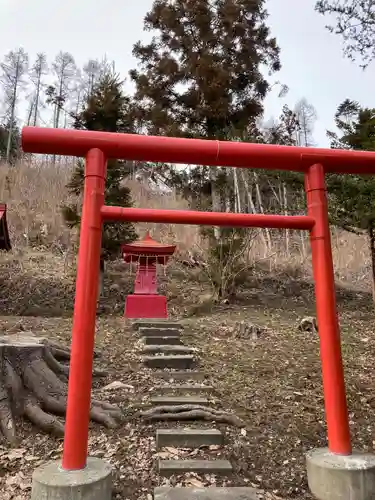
(149, 245)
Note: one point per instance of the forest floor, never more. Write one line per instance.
(273, 383)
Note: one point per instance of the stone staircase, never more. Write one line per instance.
(163, 349)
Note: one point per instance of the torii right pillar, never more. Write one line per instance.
(336, 472)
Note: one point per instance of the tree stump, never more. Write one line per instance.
(308, 324)
(33, 384)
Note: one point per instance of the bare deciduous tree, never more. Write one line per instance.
(91, 75)
(306, 117)
(84, 84)
(39, 69)
(64, 69)
(13, 69)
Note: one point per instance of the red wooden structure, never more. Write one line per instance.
(4, 234)
(145, 302)
(97, 147)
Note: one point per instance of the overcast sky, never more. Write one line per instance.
(313, 64)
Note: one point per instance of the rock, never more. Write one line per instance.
(114, 288)
(245, 330)
(308, 324)
(117, 385)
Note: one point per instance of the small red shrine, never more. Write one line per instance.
(146, 253)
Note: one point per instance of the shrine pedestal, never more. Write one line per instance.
(146, 306)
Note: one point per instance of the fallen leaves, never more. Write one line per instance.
(273, 385)
(19, 480)
(16, 481)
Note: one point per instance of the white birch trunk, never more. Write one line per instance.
(215, 195)
(261, 208)
(285, 203)
(254, 211)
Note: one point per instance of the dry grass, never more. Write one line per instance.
(37, 192)
(144, 196)
(34, 194)
(38, 276)
(273, 383)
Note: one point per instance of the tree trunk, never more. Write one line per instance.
(37, 95)
(101, 278)
(371, 235)
(238, 205)
(285, 204)
(11, 123)
(303, 244)
(30, 113)
(216, 199)
(33, 384)
(253, 210)
(261, 208)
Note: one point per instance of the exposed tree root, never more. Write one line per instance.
(33, 383)
(191, 412)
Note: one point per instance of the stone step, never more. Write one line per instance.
(170, 467)
(168, 349)
(156, 323)
(211, 493)
(162, 340)
(180, 375)
(178, 400)
(178, 361)
(159, 332)
(165, 388)
(188, 438)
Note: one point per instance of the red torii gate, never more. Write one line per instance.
(97, 147)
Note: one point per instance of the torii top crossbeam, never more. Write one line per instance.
(195, 151)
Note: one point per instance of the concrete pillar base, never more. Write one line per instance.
(339, 477)
(51, 482)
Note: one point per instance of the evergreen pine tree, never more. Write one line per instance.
(106, 109)
(201, 76)
(352, 197)
(201, 73)
(15, 146)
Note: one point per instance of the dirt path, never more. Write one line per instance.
(273, 383)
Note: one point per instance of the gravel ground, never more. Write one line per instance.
(272, 383)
